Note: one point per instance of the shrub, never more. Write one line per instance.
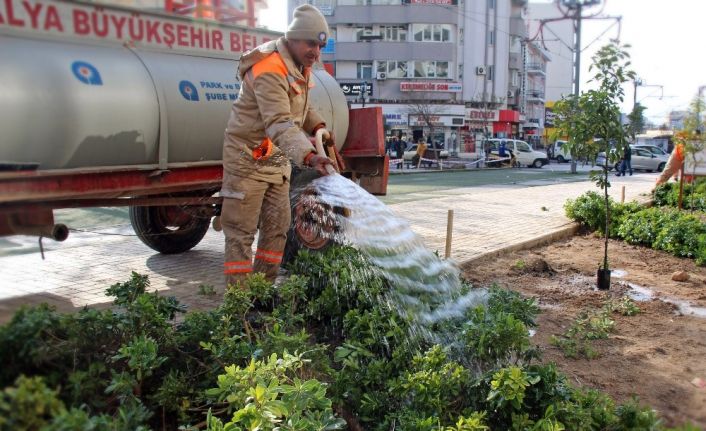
(235, 367)
(662, 228)
(589, 210)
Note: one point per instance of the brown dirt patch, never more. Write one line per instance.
(654, 355)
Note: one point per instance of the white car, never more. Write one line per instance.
(524, 154)
(642, 159)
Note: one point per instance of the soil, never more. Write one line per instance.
(654, 355)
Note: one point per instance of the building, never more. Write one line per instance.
(535, 92)
(676, 119)
(440, 63)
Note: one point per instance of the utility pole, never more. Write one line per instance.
(577, 7)
(577, 68)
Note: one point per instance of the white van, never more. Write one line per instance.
(524, 154)
(560, 153)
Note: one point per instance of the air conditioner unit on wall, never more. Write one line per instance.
(381, 76)
(510, 93)
(480, 70)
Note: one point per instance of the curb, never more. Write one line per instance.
(565, 232)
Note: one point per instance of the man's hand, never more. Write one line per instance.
(323, 165)
(328, 137)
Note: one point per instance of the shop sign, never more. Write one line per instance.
(436, 120)
(353, 88)
(436, 87)
(482, 115)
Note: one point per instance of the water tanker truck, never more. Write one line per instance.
(109, 106)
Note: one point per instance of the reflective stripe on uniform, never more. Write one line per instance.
(237, 267)
(273, 63)
(268, 256)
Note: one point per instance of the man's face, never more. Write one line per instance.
(305, 52)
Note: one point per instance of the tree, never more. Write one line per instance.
(428, 115)
(636, 120)
(591, 120)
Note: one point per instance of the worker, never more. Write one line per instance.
(676, 160)
(267, 128)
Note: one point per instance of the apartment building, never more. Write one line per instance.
(460, 63)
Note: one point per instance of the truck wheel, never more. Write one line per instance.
(537, 164)
(560, 159)
(168, 229)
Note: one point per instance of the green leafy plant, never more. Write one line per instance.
(624, 306)
(271, 395)
(508, 387)
(592, 122)
(576, 341)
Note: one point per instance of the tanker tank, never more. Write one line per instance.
(72, 104)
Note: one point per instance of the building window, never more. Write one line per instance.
(491, 4)
(363, 31)
(393, 69)
(432, 32)
(365, 70)
(394, 33)
(490, 73)
(491, 37)
(431, 69)
(515, 79)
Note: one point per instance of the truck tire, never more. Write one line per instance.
(168, 229)
(537, 164)
(560, 159)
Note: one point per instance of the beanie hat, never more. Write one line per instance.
(308, 24)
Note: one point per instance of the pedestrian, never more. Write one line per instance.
(626, 164)
(399, 152)
(269, 124)
(487, 147)
(421, 149)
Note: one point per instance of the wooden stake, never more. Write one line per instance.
(622, 195)
(681, 185)
(449, 231)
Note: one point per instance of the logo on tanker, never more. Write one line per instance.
(188, 90)
(86, 73)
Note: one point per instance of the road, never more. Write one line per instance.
(410, 186)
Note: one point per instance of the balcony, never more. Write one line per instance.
(537, 68)
(535, 96)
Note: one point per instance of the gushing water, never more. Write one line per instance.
(426, 287)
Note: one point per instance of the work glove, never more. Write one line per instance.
(322, 164)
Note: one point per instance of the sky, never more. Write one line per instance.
(667, 47)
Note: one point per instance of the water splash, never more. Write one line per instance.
(426, 287)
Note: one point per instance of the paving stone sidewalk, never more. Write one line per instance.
(77, 272)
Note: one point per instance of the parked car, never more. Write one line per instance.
(560, 153)
(412, 150)
(657, 151)
(524, 154)
(642, 159)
